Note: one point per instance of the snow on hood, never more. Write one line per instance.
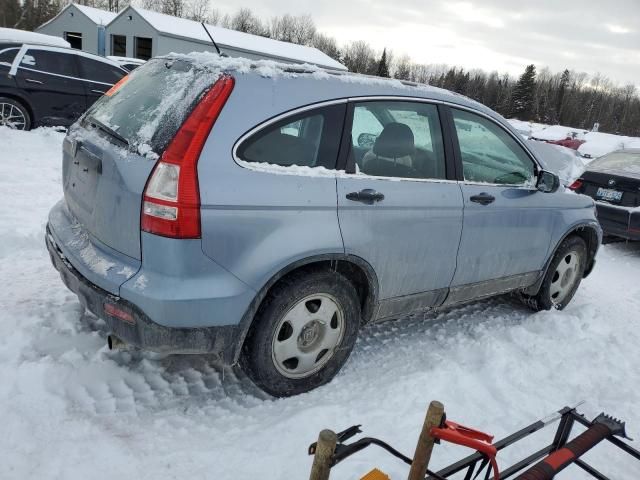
(557, 159)
(599, 144)
(558, 132)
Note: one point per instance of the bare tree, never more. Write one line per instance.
(197, 10)
(245, 21)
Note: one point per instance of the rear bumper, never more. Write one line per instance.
(141, 331)
(619, 221)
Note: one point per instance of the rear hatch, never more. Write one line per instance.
(110, 153)
(614, 179)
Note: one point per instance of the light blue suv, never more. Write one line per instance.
(265, 213)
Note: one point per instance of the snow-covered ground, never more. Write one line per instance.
(71, 409)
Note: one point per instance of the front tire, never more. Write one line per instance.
(563, 276)
(14, 115)
(302, 334)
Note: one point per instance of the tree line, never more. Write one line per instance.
(568, 98)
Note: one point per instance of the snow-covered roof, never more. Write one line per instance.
(22, 36)
(101, 17)
(181, 27)
(96, 15)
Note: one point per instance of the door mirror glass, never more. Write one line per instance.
(366, 140)
(548, 182)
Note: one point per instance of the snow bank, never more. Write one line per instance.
(598, 144)
(526, 129)
(128, 414)
(558, 132)
(22, 36)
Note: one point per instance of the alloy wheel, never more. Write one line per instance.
(12, 117)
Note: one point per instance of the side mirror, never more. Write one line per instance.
(547, 182)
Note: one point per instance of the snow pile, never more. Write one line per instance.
(598, 144)
(558, 132)
(526, 129)
(494, 364)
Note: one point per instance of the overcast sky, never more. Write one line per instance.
(505, 35)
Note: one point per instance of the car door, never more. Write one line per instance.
(401, 208)
(507, 221)
(98, 77)
(49, 79)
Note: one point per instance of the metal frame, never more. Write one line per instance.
(568, 417)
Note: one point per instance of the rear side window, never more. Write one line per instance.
(309, 139)
(7, 55)
(99, 71)
(50, 62)
(152, 104)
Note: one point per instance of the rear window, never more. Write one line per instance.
(150, 107)
(7, 55)
(618, 161)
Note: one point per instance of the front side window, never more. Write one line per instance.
(99, 71)
(309, 139)
(489, 153)
(398, 139)
(50, 62)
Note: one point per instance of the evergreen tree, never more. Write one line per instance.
(562, 88)
(383, 65)
(523, 94)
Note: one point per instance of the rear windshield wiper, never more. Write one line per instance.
(108, 130)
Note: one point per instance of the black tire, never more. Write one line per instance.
(258, 355)
(6, 106)
(547, 297)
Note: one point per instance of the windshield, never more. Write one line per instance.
(150, 107)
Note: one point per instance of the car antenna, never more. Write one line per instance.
(212, 40)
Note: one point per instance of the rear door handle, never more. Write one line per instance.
(483, 198)
(368, 196)
(31, 80)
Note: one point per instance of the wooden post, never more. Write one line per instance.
(425, 442)
(323, 456)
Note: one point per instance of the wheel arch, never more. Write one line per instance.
(591, 234)
(357, 270)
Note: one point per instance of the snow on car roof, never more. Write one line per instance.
(101, 17)
(22, 36)
(238, 40)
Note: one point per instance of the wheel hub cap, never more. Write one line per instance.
(307, 336)
(564, 277)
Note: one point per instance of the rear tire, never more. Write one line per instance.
(14, 115)
(302, 334)
(562, 278)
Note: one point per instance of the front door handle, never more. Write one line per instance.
(483, 198)
(368, 196)
(31, 80)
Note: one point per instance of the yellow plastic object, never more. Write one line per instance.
(376, 474)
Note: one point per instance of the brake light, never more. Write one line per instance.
(575, 186)
(117, 86)
(171, 200)
(118, 312)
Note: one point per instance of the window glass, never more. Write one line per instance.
(310, 139)
(99, 71)
(398, 139)
(7, 56)
(50, 62)
(119, 45)
(143, 48)
(489, 153)
(74, 39)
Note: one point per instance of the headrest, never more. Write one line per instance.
(395, 141)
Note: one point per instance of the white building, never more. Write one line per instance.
(83, 27)
(140, 33)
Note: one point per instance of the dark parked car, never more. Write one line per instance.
(43, 85)
(613, 181)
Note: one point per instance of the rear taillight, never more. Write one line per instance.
(575, 186)
(171, 200)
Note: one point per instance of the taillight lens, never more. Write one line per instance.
(171, 200)
(575, 186)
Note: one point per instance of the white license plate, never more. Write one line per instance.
(608, 194)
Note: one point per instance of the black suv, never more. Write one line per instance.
(42, 85)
